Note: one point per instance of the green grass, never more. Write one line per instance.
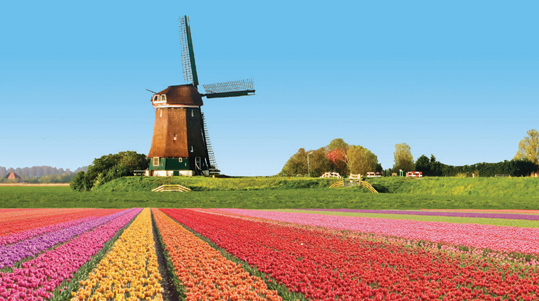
(496, 187)
(425, 218)
(131, 184)
(64, 197)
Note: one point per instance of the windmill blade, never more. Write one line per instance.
(230, 89)
(188, 55)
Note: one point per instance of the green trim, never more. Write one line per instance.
(191, 52)
(173, 164)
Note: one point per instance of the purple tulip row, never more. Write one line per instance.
(11, 254)
(440, 213)
(13, 238)
(39, 277)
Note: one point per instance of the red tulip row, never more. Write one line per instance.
(328, 264)
(20, 214)
(10, 227)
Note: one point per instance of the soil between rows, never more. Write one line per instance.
(169, 291)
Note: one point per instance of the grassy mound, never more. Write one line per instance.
(493, 187)
(131, 184)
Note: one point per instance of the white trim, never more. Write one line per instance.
(173, 106)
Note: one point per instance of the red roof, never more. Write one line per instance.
(12, 176)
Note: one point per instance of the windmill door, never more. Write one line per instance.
(198, 163)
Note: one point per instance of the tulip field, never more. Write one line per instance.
(242, 254)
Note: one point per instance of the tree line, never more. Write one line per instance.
(338, 156)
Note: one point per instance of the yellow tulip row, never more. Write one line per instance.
(129, 271)
(206, 274)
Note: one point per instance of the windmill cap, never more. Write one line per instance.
(181, 95)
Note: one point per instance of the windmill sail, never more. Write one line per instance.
(188, 55)
(230, 89)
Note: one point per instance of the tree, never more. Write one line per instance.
(296, 165)
(528, 148)
(423, 164)
(338, 144)
(78, 182)
(361, 160)
(107, 168)
(403, 158)
(339, 160)
(319, 163)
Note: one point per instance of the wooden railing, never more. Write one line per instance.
(178, 188)
(368, 186)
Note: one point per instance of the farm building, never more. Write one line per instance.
(13, 177)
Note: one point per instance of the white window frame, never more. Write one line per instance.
(156, 159)
(159, 99)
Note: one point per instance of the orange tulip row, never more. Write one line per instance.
(129, 271)
(204, 272)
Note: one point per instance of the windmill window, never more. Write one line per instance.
(174, 136)
(160, 113)
(192, 150)
(163, 97)
(180, 159)
(155, 98)
(155, 161)
(192, 113)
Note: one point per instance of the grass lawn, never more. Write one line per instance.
(64, 197)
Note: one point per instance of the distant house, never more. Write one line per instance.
(13, 177)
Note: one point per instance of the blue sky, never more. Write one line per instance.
(458, 79)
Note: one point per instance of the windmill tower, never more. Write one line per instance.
(180, 143)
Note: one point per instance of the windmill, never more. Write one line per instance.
(180, 142)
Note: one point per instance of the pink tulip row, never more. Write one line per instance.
(39, 277)
(505, 239)
(13, 238)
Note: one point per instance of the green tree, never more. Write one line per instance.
(403, 157)
(78, 182)
(338, 144)
(528, 148)
(109, 167)
(423, 164)
(361, 160)
(319, 163)
(296, 165)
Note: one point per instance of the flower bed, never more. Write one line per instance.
(204, 272)
(129, 269)
(508, 239)
(38, 278)
(332, 264)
